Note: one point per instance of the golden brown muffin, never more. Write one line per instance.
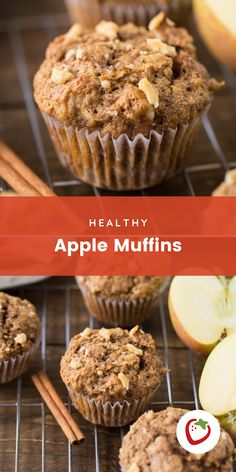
(151, 446)
(19, 336)
(123, 104)
(121, 300)
(113, 366)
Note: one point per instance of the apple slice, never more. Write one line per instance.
(202, 310)
(216, 20)
(217, 389)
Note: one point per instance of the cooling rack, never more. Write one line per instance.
(18, 32)
(30, 440)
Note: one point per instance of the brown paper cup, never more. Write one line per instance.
(16, 366)
(122, 163)
(108, 414)
(122, 313)
(89, 12)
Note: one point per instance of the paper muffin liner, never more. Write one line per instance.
(108, 414)
(121, 313)
(121, 163)
(16, 366)
(122, 12)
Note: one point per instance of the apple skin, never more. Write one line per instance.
(219, 40)
(185, 337)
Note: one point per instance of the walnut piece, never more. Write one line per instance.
(106, 84)
(70, 53)
(150, 91)
(105, 333)
(21, 338)
(157, 45)
(75, 363)
(74, 32)
(134, 349)
(108, 28)
(86, 332)
(124, 380)
(134, 468)
(156, 21)
(61, 74)
(134, 330)
(79, 53)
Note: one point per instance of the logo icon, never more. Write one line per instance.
(198, 431)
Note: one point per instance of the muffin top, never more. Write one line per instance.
(112, 364)
(122, 287)
(19, 325)
(151, 446)
(123, 79)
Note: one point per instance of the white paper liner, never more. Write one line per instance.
(108, 414)
(121, 313)
(123, 12)
(16, 366)
(122, 163)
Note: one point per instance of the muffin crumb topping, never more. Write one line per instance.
(112, 365)
(150, 91)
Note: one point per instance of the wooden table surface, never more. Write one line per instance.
(30, 440)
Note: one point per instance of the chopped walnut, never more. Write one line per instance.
(105, 333)
(75, 31)
(86, 332)
(150, 91)
(157, 45)
(21, 338)
(170, 22)
(108, 28)
(134, 349)
(106, 84)
(61, 74)
(70, 53)
(124, 380)
(75, 363)
(156, 21)
(134, 330)
(134, 468)
(79, 53)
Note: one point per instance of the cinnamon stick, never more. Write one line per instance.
(57, 408)
(19, 176)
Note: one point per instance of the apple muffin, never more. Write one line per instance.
(121, 300)
(151, 446)
(19, 336)
(111, 374)
(140, 12)
(122, 104)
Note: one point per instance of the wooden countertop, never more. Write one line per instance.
(29, 438)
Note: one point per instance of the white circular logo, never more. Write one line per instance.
(198, 431)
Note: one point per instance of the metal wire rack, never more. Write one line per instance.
(37, 441)
(42, 294)
(52, 25)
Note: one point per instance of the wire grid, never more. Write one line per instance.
(50, 24)
(66, 289)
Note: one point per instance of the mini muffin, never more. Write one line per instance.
(122, 104)
(151, 446)
(140, 12)
(111, 374)
(121, 300)
(19, 336)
